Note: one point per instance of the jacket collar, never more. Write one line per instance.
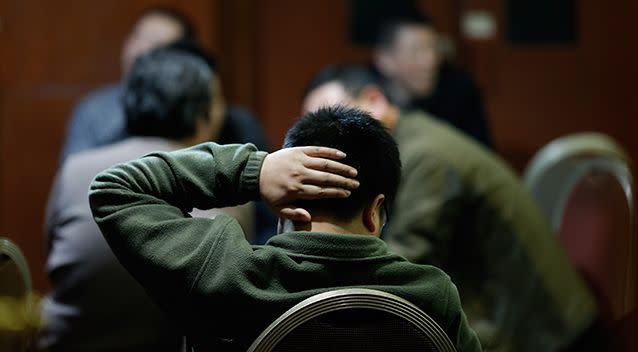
(329, 245)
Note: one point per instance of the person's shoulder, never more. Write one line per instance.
(78, 169)
(435, 273)
(428, 141)
(241, 113)
(437, 132)
(96, 158)
(105, 92)
(100, 158)
(98, 98)
(417, 117)
(417, 126)
(424, 274)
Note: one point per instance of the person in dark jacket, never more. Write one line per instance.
(407, 55)
(223, 291)
(461, 208)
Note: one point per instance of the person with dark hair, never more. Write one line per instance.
(238, 125)
(461, 208)
(203, 272)
(167, 99)
(99, 118)
(344, 129)
(408, 54)
(95, 305)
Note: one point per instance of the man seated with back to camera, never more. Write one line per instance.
(223, 291)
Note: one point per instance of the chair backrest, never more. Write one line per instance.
(584, 184)
(15, 279)
(18, 312)
(353, 319)
(556, 169)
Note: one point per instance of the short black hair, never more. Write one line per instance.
(369, 148)
(185, 23)
(387, 31)
(190, 46)
(353, 77)
(165, 93)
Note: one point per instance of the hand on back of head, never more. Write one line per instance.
(297, 173)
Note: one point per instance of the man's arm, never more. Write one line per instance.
(141, 206)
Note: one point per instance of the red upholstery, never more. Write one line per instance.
(595, 232)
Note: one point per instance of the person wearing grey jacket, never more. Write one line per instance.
(95, 305)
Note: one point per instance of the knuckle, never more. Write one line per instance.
(328, 179)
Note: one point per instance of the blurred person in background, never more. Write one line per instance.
(407, 53)
(99, 118)
(461, 208)
(95, 305)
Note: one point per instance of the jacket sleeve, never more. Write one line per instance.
(142, 210)
(429, 192)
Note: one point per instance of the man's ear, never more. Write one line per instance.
(373, 216)
(374, 101)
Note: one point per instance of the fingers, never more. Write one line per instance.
(332, 166)
(323, 152)
(295, 214)
(320, 178)
(318, 192)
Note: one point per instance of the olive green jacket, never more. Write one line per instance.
(461, 208)
(219, 289)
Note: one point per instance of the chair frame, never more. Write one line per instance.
(603, 154)
(7, 247)
(350, 298)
